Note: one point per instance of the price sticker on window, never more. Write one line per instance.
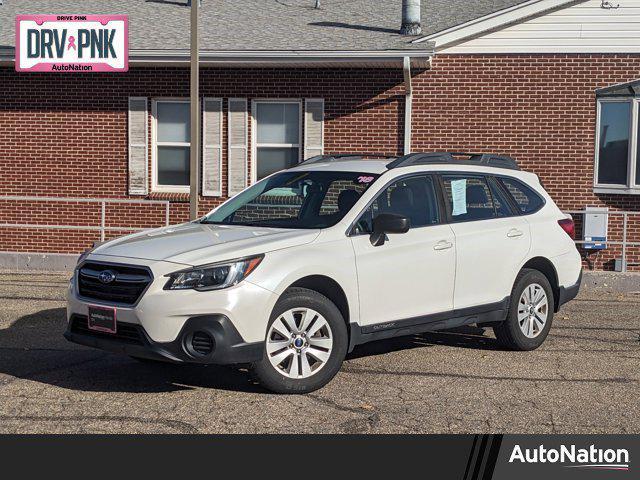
(459, 196)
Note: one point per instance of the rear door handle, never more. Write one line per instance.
(514, 232)
(443, 245)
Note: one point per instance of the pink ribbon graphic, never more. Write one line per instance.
(72, 43)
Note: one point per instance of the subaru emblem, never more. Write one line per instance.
(107, 276)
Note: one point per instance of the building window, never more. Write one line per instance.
(617, 164)
(171, 145)
(277, 136)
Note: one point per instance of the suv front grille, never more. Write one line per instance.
(113, 283)
(124, 332)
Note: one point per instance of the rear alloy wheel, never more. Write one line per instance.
(533, 310)
(530, 312)
(305, 344)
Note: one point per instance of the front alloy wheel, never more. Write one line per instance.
(305, 344)
(299, 343)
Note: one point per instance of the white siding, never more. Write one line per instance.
(581, 28)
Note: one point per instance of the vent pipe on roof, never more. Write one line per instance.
(411, 18)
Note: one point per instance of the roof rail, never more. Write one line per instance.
(334, 157)
(478, 159)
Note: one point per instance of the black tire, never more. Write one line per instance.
(267, 375)
(509, 333)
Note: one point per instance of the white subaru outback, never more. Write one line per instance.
(294, 272)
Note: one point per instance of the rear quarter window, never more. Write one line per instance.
(525, 198)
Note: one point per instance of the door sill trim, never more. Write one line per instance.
(492, 312)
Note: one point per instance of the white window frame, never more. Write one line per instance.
(154, 147)
(254, 132)
(631, 187)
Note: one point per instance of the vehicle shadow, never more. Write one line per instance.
(33, 348)
(461, 337)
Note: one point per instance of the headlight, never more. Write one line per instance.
(213, 277)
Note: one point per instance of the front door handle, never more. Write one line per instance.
(514, 232)
(443, 245)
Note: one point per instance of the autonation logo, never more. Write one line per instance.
(573, 457)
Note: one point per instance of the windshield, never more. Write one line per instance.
(295, 200)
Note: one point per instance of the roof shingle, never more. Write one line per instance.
(268, 25)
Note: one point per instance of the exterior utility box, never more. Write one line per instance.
(596, 224)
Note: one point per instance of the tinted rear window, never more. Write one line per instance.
(526, 199)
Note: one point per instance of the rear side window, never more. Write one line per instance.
(526, 199)
(470, 198)
(500, 200)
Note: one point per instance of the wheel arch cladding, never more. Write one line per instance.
(329, 288)
(544, 266)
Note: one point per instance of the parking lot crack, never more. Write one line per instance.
(180, 426)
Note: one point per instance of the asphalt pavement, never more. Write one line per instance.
(585, 379)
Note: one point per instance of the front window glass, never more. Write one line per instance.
(277, 136)
(295, 200)
(613, 150)
(172, 143)
(412, 197)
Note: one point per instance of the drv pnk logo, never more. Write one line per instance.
(72, 43)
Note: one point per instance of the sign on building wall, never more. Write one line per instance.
(72, 43)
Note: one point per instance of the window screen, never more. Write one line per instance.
(172, 143)
(278, 136)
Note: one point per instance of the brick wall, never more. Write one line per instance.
(66, 135)
(541, 109)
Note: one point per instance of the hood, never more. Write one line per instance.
(198, 243)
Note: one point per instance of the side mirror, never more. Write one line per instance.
(388, 223)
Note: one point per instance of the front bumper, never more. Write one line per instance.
(162, 321)
(228, 346)
(162, 314)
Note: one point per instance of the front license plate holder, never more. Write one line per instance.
(102, 319)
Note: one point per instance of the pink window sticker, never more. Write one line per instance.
(364, 179)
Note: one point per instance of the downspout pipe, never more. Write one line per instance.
(408, 104)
